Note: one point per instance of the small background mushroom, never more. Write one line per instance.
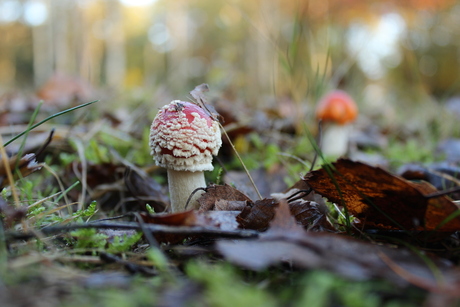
(337, 110)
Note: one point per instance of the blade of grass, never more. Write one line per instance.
(47, 119)
(330, 170)
(449, 218)
(9, 174)
(242, 163)
(84, 172)
(67, 190)
(61, 185)
(23, 143)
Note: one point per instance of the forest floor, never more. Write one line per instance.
(89, 224)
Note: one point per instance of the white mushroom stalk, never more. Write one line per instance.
(181, 186)
(334, 140)
(183, 139)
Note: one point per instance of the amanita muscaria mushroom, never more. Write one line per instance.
(183, 139)
(337, 110)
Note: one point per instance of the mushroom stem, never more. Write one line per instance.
(181, 185)
(334, 141)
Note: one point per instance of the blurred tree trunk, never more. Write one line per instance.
(42, 52)
(177, 23)
(115, 62)
(261, 50)
(7, 61)
(60, 34)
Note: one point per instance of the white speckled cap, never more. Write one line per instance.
(183, 137)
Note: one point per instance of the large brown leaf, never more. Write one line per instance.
(381, 200)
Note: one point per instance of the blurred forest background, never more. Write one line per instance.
(386, 54)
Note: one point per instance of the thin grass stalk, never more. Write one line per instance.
(242, 163)
(47, 119)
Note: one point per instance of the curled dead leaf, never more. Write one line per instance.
(384, 201)
(215, 193)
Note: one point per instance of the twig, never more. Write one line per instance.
(130, 266)
(148, 235)
(442, 193)
(153, 228)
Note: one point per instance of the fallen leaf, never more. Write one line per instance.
(307, 214)
(230, 205)
(311, 215)
(381, 200)
(210, 220)
(284, 223)
(214, 193)
(441, 175)
(185, 218)
(257, 216)
(145, 189)
(198, 93)
(26, 165)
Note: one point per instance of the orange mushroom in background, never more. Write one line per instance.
(337, 110)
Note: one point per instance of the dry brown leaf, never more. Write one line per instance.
(215, 219)
(185, 218)
(211, 220)
(307, 214)
(230, 205)
(441, 175)
(214, 193)
(145, 189)
(26, 165)
(381, 200)
(257, 216)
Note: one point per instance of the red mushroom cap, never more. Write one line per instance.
(183, 137)
(338, 107)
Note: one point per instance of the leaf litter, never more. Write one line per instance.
(293, 228)
(287, 242)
